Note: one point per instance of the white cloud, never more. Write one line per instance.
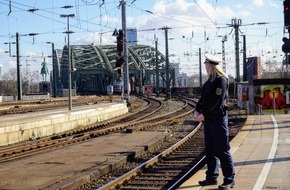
(30, 54)
(243, 13)
(225, 13)
(258, 3)
(104, 20)
(186, 15)
(96, 38)
(11, 64)
(129, 20)
(183, 14)
(274, 5)
(159, 7)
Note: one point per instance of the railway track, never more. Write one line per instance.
(25, 106)
(169, 168)
(166, 170)
(119, 124)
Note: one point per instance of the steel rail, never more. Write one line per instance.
(151, 162)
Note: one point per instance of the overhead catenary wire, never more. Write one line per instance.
(51, 13)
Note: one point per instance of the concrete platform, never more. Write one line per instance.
(20, 127)
(58, 169)
(78, 163)
(261, 152)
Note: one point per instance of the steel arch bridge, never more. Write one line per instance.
(93, 68)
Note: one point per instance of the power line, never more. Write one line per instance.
(205, 13)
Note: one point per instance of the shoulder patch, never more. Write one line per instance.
(218, 91)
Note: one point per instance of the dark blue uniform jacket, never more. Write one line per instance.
(213, 99)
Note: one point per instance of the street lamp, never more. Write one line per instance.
(69, 64)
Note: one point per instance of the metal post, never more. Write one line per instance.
(19, 86)
(236, 23)
(54, 71)
(274, 102)
(125, 47)
(224, 39)
(156, 65)
(69, 60)
(69, 66)
(200, 74)
(223, 56)
(244, 58)
(167, 61)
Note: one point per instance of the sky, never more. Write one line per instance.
(193, 24)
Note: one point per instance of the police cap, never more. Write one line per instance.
(212, 59)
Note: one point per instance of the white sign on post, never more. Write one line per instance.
(110, 89)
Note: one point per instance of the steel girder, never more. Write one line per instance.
(94, 66)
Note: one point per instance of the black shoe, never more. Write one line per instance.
(226, 186)
(208, 182)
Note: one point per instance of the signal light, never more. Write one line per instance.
(286, 45)
(120, 39)
(286, 4)
(119, 62)
(119, 71)
(120, 59)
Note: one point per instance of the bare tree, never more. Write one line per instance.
(272, 69)
(30, 80)
(194, 80)
(34, 82)
(9, 83)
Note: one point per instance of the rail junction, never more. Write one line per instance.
(156, 145)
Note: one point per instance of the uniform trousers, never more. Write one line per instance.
(217, 147)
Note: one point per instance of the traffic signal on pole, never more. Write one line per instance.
(120, 40)
(120, 59)
(119, 71)
(286, 4)
(286, 45)
(119, 62)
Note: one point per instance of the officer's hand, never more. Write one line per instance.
(196, 114)
(200, 118)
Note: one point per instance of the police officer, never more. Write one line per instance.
(211, 109)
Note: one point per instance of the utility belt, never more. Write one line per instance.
(218, 112)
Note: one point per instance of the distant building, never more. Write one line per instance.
(132, 36)
(176, 73)
(176, 68)
(180, 78)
